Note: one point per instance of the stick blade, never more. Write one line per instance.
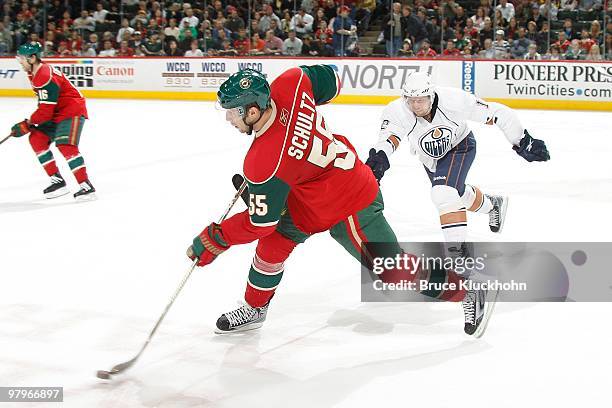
(103, 375)
(119, 368)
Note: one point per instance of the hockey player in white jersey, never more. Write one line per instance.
(433, 121)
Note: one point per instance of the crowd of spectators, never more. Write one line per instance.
(518, 29)
(523, 29)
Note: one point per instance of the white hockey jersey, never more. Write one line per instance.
(452, 107)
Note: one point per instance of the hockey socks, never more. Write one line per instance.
(264, 278)
(267, 268)
(75, 161)
(40, 144)
(454, 226)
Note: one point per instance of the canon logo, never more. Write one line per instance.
(115, 71)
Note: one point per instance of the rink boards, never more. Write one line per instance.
(520, 84)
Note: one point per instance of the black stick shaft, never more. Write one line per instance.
(124, 366)
(6, 138)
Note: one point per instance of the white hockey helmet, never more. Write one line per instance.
(418, 84)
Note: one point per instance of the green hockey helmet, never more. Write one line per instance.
(246, 87)
(29, 49)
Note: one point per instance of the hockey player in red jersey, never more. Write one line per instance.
(59, 118)
(302, 179)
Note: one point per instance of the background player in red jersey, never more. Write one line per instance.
(302, 180)
(59, 118)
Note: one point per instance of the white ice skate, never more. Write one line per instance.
(242, 319)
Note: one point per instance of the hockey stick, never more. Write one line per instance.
(6, 138)
(237, 181)
(119, 368)
(32, 127)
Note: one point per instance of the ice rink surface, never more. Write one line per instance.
(82, 284)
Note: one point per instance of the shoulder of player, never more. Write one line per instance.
(453, 98)
(394, 106)
(289, 78)
(263, 160)
(43, 76)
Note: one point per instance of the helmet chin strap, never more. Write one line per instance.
(431, 99)
(430, 106)
(30, 66)
(250, 127)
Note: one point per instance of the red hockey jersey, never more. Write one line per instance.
(58, 99)
(295, 162)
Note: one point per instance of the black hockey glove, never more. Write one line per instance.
(378, 162)
(532, 149)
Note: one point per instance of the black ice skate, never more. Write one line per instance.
(57, 188)
(86, 192)
(478, 306)
(497, 214)
(242, 319)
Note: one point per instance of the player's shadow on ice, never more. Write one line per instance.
(244, 374)
(249, 368)
(329, 387)
(420, 317)
(382, 318)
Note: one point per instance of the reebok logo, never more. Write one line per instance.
(284, 116)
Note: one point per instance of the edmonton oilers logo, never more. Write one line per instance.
(437, 142)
